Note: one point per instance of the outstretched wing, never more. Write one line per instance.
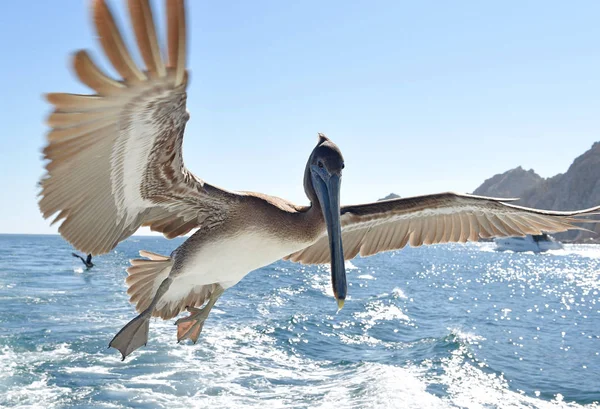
(115, 160)
(441, 218)
(77, 256)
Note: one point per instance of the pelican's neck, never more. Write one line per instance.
(313, 214)
(312, 221)
(309, 188)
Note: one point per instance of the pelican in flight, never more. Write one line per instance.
(115, 164)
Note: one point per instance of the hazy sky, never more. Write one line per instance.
(421, 97)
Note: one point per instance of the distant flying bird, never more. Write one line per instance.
(115, 164)
(87, 261)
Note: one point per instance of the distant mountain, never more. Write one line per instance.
(390, 196)
(512, 183)
(578, 188)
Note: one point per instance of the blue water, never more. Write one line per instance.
(451, 326)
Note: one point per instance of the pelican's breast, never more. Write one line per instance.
(228, 259)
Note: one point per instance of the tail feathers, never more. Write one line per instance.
(153, 256)
(145, 276)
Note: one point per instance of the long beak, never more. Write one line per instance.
(330, 204)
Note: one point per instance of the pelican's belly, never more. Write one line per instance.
(227, 261)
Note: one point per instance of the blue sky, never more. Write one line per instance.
(421, 97)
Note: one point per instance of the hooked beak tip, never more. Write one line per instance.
(340, 303)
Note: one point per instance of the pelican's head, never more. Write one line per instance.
(324, 175)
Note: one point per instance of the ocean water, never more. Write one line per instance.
(449, 326)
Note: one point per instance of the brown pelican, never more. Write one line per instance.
(115, 157)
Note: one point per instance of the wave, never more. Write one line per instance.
(241, 366)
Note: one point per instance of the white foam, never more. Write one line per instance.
(468, 386)
(398, 293)
(95, 369)
(349, 266)
(466, 337)
(40, 391)
(379, 311)
(239, 366)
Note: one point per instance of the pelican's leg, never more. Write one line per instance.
(191, 326)
(135, 333)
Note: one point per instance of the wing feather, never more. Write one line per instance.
(446, 217)
(352, 245)
(147, 40)
(404, 235)
(429, 228)
(64, 102)
(439, 226)
(445, 226)
(465, 228)
(485, 228)
(89, 74)
(415, 234)
(391, 237)
(113, 44)
(177, 38)
(473, 227)
(501, 228)
(65, 119)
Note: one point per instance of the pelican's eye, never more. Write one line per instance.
(320, 164)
